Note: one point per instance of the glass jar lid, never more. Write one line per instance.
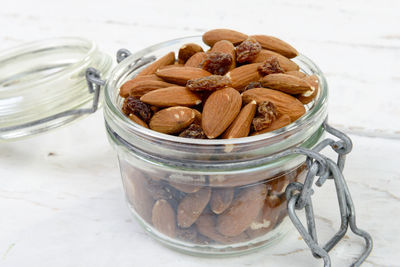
(42, 81)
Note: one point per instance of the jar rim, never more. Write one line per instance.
(14, 53)
(319, 103)
(43, 78)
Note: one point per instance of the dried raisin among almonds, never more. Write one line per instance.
(267, 109)
(270, 66)
(137, 107)
(217, 63)
(247, 50)
(194, 131)
(209, 83)
(252, 85)
(266, 114)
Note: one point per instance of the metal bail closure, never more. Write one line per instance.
(299, 196)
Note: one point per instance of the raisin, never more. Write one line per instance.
(267, 109)
(266, 114)
(247, 50)
(253, 85)
(270, 66)
(217, 63)
(137, 107)
(209, 83)
(193, 131)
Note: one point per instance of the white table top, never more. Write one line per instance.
(61, 197)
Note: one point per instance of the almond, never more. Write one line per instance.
(296, 73)
(260, 226)
(191, 206)
(186, 188)
(172, 120)
(180, 75)
(139, 88)
(168, 59)
(280, 122)
(138, 195)
(240, 127)
(243, 210)
(308, 96)
(226, 47)
(188, 50)
(176, 64)
(171, 96)
(285, 63)
(220, 109)
(286, 83)
(276, 45)
(266, 220)
(197, 117)
(221, 199)
(127, 86)
(213, 36)
(139, 121)
(285, 104)
(195, 60)
(163, 218)
(206, 225)
(243, 75)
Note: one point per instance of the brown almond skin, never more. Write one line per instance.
(163, 218)
(243, 210)
(138, 195)
(171, 96)
(168, 59)
(180, 75)
(206, 225)
(195, 60)
(188, 50)
(240, 127)
(296, 73)
(221, 199)
(285, 63)
(127, 86)
(227, 47)
(286, 83)
(186, 188)
(219, 110)
(191, 206)
(213, 36)
(280, 122)
(139, 121)
(308, 96)
(172, 120)
(244, 75)
(197, 117)
(285, 104)
(276, 45)
(141, 88)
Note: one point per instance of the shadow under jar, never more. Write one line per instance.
(211, 197)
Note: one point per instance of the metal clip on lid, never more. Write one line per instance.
(299, 196)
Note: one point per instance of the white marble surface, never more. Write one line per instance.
(61, 198)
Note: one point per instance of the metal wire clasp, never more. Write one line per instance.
(299, 196)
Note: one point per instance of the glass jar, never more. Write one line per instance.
(41, 80)
(213, 197)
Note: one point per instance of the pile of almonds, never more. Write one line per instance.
(243, 85)
(205, 214)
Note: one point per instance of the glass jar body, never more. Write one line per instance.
(213, 197)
